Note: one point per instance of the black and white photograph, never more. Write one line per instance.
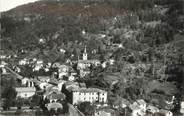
(91, 57)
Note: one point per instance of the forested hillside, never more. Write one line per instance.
(150, 32)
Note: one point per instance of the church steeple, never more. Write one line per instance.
(85, 55)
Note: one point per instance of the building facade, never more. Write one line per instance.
(25, 92)
(89, 94)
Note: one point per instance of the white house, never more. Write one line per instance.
(23, 61)
(152, 109)
(42, 41)
(142, 104)
(88, 94)
(71, 78)
(111, 61)
(37, 67)
(60, 84)
(82, 64)
(24, 81)
(54, 106)
(62, 50)
(25, 92)
(2, 56)
(182, 107)
(44, 85)
(39, 62)
(46, 69)
(63, 70)
(136, 110)
(3, 70)
(28, 82)
(44, 78)
(85, 72)
(56, 65)
(16, 69)
(104, 64)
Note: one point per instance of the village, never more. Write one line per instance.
(92, 58)
(61, 90)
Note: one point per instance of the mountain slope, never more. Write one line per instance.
(68, 8)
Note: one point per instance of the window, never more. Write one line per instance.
(84, 93)
(84, 98)
(25, 95)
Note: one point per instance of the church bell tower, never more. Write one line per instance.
(85, 55)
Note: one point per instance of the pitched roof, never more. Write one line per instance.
(53, 81)
(141, 102)
(88, 90)
(152, 108)
(41, 78)
(51, 89)
(54, 105)
(56, 96)
(82, 84)
(134, 107)
(25, 89)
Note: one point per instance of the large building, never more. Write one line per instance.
(88, 94)
(182, 107)
(25, 92)
(27, 88)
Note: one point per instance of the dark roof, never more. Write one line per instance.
(56, 96)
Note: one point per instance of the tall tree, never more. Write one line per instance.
(9, 95)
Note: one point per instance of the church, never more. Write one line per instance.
(85, 63)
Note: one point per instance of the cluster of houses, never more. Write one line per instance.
(36, 64)
(182, 108)
(63, 77)
(62, 86)
(140, 108)
(84, 64)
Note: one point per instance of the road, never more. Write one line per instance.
(73, 111)
(17, 75)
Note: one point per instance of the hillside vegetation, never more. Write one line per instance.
(150, 32)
